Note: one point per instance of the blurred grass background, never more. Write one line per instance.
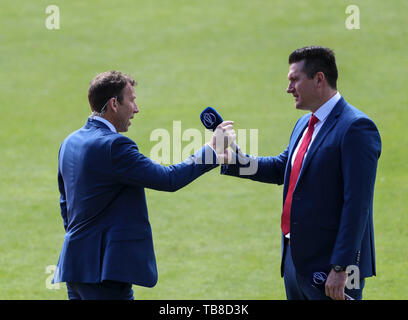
(219, 238)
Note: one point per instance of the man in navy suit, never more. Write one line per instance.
(328, 171)
(108, 243)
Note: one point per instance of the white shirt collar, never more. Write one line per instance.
(110, 125)
(327, 107)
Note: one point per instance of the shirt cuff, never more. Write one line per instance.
(215, 152)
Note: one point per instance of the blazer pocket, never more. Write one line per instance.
(129, 234)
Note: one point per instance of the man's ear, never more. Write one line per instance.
(320, 78)
(114, 105)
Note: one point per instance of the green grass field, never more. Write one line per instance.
(219, 238)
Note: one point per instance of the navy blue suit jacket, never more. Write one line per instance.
(101, 178)
(332, 207)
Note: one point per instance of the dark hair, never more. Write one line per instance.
(317, 59)
(105, 86)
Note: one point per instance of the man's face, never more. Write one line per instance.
(302, 88)
(126, 109)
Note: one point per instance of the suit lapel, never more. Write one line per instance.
(325, 129)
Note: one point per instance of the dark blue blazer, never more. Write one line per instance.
(101, 178)
(332, 208)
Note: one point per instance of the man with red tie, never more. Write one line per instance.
(328, 171)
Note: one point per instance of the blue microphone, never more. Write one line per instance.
(211, 119)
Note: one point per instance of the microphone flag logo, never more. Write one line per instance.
(209, 119)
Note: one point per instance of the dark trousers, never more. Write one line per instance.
(299, 287)
(106, 290)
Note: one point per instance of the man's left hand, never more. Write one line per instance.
(335, 285)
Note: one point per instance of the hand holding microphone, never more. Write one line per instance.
(224, 134)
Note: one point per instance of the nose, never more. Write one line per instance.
(289, 89)
(135, 109)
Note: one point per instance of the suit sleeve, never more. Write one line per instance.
(63, 200)
(133, 168)
(361, 148)
(262, 169)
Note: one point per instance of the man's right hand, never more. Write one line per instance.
(222, 137)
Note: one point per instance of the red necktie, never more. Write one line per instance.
(297, 165)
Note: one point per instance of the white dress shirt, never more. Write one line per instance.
(322, 113)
